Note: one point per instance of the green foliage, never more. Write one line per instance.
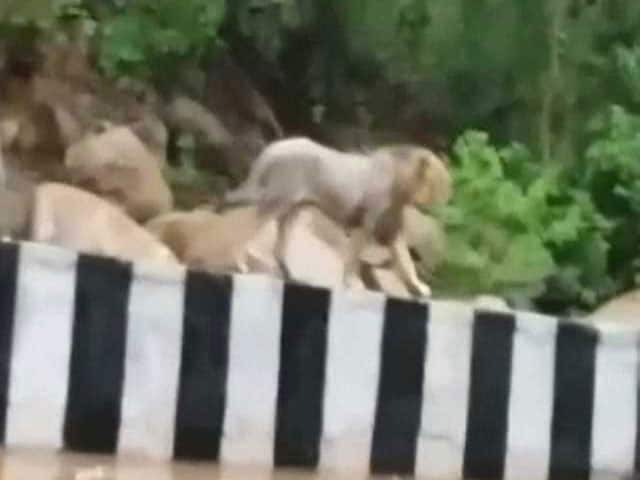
(612, 176)
(155, 39)
(518, 229)
(627, 64)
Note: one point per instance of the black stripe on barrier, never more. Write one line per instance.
(399, 403)
(489, 388)
(204, 367)
(9, 257)
(96, 375)
(303, 352)
(571, 428)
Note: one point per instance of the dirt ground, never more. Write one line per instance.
(30, 465)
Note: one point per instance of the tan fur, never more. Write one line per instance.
(233, 242)
(421, 177)
(115, 164)
(365, 193)
(178, 229)
(75, 219)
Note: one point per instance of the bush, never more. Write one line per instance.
(519, 229)
(612, 176)
(157, 39)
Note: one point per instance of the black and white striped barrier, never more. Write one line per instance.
(102, 356)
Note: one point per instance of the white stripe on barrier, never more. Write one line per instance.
(252, 379)
(351, 387)
(444, 412)
(41, 346)
(615, 403)
(152, 361)
(531, 398)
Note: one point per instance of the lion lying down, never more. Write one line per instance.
(72, 218)
(236, 241)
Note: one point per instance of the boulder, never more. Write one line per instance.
(491, 302)
(622, 310)
(16, 193)
(185, 114)
(245, 114)
(315, 254)
(31, 133)
(152, 132)
(9, 126)
(81, 110)
(425, 236)
(388, 281)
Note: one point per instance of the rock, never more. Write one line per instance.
(491, 302)
(2, 167)
(388, 281)
(9, 127)
(69, 62)
(32, 135)
(314, 255)
(153, 134)
(117, 165)
(69, 85)
(325, 228)
(231, 96)
(72, 218)
(343, 136)
(77, 112)
(622, 310)
(186, 114)
(84, 107)
(425, 236)
(70, 128)
(16, 194)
